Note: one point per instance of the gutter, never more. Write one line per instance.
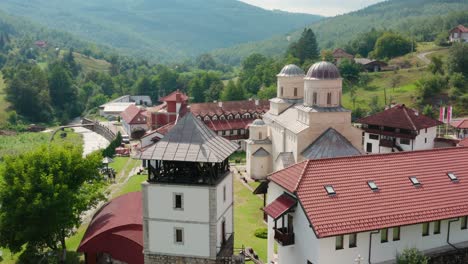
(448, 232)
(370, 244)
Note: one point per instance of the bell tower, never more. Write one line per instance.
(188, 198)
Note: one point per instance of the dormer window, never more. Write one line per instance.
(215, 117)
(207, 118)
(415, 181)
(330, 190)
(373, 186)
(222, 118)
(237, 116)
(452, 176)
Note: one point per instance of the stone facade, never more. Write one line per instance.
(164, 259)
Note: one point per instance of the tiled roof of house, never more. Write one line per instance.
(176, 96)
(400, 117)
(463, 143)
(397, 202)
(131, 114)
(231, 124)
(230, 107)
(330, 144)
(192, 141)
(280, 206)
(461, 28)
(341, 53)
(461, 124)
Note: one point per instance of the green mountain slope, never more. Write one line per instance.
(416, 18)
(160, 29)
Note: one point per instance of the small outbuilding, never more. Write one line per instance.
(116, 232)
(371, 65)
(458, 34)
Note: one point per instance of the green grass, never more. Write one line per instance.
(247, 218)
(237, 156)
(74, 241)
(133, 185)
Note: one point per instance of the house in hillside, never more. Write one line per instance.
(372, 206)
(461, 128)
(340, 54)
(371, 65)
(458, 34)
(134, 121)
(227, 119)
(188, 198)
(398, 128)
(114, 108)
(305, 121)
(41, 43)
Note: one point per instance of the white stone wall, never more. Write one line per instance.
(288, 84)
(224, 209)
(258, 167)
(322, 88)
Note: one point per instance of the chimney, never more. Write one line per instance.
(220, 104)
(257, 102)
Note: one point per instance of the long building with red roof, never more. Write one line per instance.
(332, 210)
(398, 128)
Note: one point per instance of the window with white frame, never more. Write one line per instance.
(339, 242)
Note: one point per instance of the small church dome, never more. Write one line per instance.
(291, 70)
(258, 122)
(323, 70)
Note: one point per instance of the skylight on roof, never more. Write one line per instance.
(330, 190)
(373, 186)
(415, 181)
(452, 176)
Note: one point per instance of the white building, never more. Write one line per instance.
(374, 206)
(188, 199)
(459, 34)
(398, 129)
(115, 107)
(134, 121)
(307, 107)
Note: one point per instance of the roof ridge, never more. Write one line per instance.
(408, 117)
(301, 175)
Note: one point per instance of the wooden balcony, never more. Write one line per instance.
(283, 237)
(387, 143)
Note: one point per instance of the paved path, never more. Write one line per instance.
(92, 141)
(423, 56)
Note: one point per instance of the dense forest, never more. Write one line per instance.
(420, 20)
(160, 30)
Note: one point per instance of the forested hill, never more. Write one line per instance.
(420, 19)
(162, 30)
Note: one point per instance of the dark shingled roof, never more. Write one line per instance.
(400, 117)
(291, 70)
(261, 152)
(331, 144)
(192, 141)
(323, 70)
(287, 158)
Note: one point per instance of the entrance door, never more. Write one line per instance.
(290, 224)
(223, 232)
(369, 147)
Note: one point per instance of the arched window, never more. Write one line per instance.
(260, 135)
(329, 98)
(207, 118)
(281, 91)
(314, 99)
(246, 115)
(222, 117)
(295, 91)
(230, 117)
(237, 116)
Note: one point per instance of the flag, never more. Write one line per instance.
(449, 114)
(442, 114)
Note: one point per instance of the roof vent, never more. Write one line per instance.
(330, 190)
(373, 186)
(415, 181)
(452, 176)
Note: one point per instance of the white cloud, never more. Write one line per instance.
(321, 7)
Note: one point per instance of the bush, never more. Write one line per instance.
(412, 256)
(261, 233)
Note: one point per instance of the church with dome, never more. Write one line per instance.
(305, 121)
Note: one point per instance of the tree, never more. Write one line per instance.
(350, 70)
(428, 111)
(69, 60)
(54, 185)
(62, 91)
(205, 62)
(437, 65)
(267, 92)
(457, 60)
(374, 105)
(395, 81)
(391, 45)
(412, 256)
(110, 150)
(233, 92)
(364, 43)
(214, 91)
(306, 47)
(327, 55)
(196, 91)
(430, 86)
(143, 86)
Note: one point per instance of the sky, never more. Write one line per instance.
(320, 7)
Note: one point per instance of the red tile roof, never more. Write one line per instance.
(176, 96)
(131, 114)
(230, 107)
(219, 125)
(280, 206)
(460, 28)
(400, 117)
(356, 208)
(461, 124)
(463, 143)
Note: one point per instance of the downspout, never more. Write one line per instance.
(370, 244)
(448, 232)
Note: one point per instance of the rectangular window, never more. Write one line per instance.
(374, 136)
(329, 98)
(425, 140)
(404, 141)
(339, 243)
(463, 223)
(224, 193)
(384, 235)
(314, 102)
(396, 233)
(352, 240)
(436, 227)
(178, 201)
(425, 229)
(179, 235)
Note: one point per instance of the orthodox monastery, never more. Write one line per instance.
(305, 121)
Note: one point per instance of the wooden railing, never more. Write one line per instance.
(283, 237)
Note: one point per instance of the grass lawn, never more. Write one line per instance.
(133, 185)
(247, 218)
(237, 156)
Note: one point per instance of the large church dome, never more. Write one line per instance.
(323, 70)
(291, 70)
